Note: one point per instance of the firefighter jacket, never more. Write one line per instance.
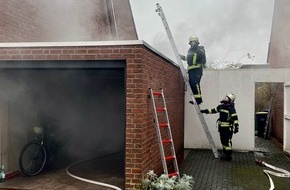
(228, 116)
(196, 59)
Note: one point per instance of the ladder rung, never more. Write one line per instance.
(160, 109)
(166, 141)
(163, 125)
(168, 158)
(157, 94)
(173, 174)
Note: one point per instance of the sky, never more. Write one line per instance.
(230, 30)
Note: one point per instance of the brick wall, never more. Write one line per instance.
(145, 69)
(278, 111)
(66, 20)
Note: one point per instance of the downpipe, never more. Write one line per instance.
(281, 172)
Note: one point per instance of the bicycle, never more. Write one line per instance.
(34, 155)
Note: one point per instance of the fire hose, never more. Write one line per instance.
(87, 180)
(281, 172)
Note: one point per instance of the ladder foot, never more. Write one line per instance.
(173, 174)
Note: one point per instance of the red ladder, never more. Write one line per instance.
(164, 134)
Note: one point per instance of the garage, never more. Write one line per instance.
(81, 103)
(94, 98)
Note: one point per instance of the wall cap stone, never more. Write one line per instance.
(83, 44)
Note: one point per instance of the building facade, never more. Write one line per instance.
(68, 20)
(279, 48)
(279, 57)
(87, 36)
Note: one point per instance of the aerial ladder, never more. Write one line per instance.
(185, 77)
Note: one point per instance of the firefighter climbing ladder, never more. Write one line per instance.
(184, 74)
(163, 130)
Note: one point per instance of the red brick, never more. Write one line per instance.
(55, 51)
(3, 51)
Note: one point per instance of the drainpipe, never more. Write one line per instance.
(112, 19)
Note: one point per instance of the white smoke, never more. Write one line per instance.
(228, 29)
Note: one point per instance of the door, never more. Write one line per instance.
(286, 146)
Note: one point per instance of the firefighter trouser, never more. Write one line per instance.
(226, 134)
(194, 81)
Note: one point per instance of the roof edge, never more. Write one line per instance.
(83, 44)
(69, 44)
(159, 53)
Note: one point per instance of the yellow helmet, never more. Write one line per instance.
(193, 38)
(232, 97)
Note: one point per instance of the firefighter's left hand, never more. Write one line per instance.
(204, 111)
(236, 129)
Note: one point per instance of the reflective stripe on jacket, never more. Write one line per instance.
(228, 116)
(196, 58)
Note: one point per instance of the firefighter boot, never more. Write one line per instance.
(198, 101)
(226, 157)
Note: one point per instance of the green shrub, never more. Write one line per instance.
(163, 182)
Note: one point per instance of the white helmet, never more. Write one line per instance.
(193, 38)
(232, 97)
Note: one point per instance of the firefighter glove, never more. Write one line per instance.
(236, 129)
(204, 111)
(182, 57)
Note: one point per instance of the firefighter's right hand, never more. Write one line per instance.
(204, 111)
(182, 57)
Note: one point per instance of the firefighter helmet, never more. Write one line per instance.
(193, 38)
(232, 97)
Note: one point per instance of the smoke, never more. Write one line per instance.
(232, 28)
(84, 109)
(73, 20)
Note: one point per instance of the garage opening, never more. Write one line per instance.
(81, 103)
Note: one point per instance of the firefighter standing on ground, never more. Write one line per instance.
(227, 123)
(196, 60)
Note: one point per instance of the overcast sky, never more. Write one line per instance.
(229, 29)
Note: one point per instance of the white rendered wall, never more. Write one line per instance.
(215, 85)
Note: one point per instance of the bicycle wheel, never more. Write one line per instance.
(32, 158)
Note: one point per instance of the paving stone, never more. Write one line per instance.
(241, 173)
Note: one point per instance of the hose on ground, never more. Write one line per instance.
(281, 172)
(87, 180)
